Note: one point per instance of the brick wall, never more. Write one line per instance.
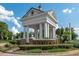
(43, 41)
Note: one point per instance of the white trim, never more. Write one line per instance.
(31, 17)
(51, 22)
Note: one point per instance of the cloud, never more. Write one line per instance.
(67, 10)
(18, 17)
(5, 12)
(76, 30)
(14, 20)
(14, 30)
(4, 18)
(8, 15)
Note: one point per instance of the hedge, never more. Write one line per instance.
(57, 50)
(13, 41)
(45, 47)
(75, 43)
(34, 51)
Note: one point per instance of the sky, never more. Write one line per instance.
(65, 13)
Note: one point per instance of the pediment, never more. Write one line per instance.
(33, 11)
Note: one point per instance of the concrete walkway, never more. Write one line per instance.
(2, 44)
(7, 54)
(12, 50)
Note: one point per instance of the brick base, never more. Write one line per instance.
(46, 41)
(42, 42)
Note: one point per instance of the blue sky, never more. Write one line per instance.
(64, 13)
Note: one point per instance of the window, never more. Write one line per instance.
(32, 12)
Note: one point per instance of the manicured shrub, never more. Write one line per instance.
(76, 45)
(65, 46)
(57, 50)
(45, 47)
(13, 41)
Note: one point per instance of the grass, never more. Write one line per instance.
(57, 50)
(4, 49)
(3, 41)
(34, 51)
(38, 51)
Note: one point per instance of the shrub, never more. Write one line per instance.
(75, 43)
(65, 46)
(7, 45)
(13, 41)
(57, 50)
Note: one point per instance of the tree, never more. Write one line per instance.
(5, 34)
(63, 34)
(74, 35)
(18, 35)
(59, 33)
(3, 28)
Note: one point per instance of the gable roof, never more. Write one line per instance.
(33, 9)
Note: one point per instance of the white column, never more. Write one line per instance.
(54, 33)
(27, 37)
(46, 30)
(40, 31)
(36, 34)
(24, 36)
(51, 33)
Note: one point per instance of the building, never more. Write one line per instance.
(43, 23)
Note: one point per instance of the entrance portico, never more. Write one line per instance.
(41, 31)
(43, 24)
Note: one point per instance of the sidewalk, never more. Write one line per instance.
(7, 54)
(2, 44)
